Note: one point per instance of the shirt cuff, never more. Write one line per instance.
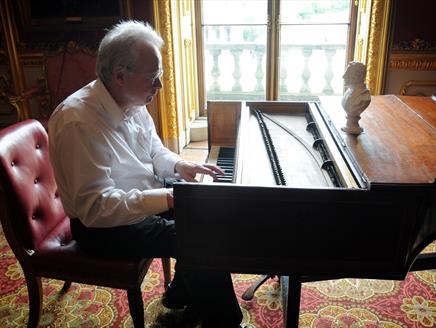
(155, 200)
(172, 166)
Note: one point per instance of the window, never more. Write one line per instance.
(275, 49)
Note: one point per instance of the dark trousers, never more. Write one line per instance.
(212, 293)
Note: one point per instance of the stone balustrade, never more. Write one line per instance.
(237, 71)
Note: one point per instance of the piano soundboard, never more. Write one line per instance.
(300, 149)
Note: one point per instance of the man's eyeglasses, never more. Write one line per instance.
(154, 77)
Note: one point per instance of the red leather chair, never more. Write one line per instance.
(38, 230)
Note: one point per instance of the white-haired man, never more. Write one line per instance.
(109, 163)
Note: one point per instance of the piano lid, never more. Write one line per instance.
(398, 145)
(423, 106)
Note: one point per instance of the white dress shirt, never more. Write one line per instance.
(106, 162)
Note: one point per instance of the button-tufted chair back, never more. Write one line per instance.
(29, 186)
(38, 231)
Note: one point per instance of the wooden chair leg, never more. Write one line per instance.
(136, 306)
(249, 293)
(34, 289)
(65, 287)
(166, 265)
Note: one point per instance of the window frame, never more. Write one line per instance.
(272, 49)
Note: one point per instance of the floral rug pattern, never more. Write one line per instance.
(344, 303)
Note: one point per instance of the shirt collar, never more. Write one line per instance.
(112, 110)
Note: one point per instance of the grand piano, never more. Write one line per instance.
(304, 200)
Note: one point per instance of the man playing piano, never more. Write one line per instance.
(109, 163)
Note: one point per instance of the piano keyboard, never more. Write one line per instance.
(224, 157)
(226, 161)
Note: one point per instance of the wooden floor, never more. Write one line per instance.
(195, 151)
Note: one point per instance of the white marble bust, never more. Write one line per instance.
(356, 97)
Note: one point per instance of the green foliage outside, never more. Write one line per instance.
(314, 8)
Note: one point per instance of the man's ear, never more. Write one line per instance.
(119, 75)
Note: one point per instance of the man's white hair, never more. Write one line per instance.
(116, 47)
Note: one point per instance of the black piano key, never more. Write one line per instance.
(226, 161)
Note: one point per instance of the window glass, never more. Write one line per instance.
(314, 12)
(235, 12)
(234, 40)
(313, 42)
(312, 60)
(311, 54)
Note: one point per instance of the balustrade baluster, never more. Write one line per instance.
(328, 89)
(236, 53)
(215, 69)
(283, 72)
(260, 52)
(305, 89)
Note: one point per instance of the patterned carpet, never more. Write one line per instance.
(337, 303)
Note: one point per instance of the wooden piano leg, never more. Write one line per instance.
(291, 293)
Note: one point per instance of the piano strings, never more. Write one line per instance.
(296, 137)
(270, 149)
(318, 144)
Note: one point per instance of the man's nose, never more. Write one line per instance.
(157, 83)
